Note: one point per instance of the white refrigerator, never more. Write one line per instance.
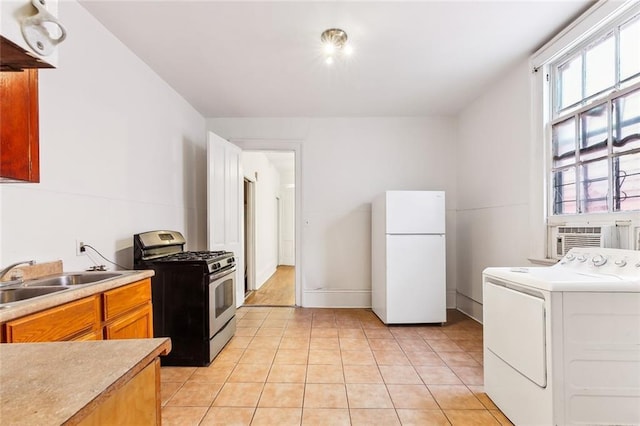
(408, 263)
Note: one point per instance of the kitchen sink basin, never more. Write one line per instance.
(72, 279)
(8, 295)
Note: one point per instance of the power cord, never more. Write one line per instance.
(100, 254)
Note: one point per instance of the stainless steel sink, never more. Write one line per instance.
(8, 295)
(72, 279)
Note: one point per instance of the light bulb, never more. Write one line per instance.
(329, 60)
(329, 48)
(348, 50)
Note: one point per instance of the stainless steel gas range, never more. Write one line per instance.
(193, 294)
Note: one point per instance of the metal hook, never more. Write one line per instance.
(36, 33)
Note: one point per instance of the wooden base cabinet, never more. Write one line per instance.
(122, 313)
(132, 325)
(93, 335)
(63, 322)
(135, 403)
(127, 311)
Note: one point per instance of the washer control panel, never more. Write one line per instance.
(619, 262)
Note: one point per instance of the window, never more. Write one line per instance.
(595, 124)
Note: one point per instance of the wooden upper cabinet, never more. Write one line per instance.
(19, 132)
(13, 58)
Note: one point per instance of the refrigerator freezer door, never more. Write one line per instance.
(415, 212)
(416, 282)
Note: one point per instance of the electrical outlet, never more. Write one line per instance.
(80, 248)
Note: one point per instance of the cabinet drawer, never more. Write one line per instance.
(57, 323)
(120, 300)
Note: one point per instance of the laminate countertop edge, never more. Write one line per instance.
(36, 304)
(63, 382)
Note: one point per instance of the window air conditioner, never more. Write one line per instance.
(568, 237)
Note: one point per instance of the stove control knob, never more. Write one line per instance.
(598, 260)
(582, 258)
(621, 263)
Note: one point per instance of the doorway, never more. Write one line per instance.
(270, 201)
(249, 236)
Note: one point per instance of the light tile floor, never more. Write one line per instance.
(300, 366)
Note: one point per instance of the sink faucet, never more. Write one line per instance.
(10, 267)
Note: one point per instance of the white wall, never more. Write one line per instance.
(493, 184)
(345, 163)
(120, 152)
(266, 189)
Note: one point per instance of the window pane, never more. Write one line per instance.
(570, 81)
(593, 186)
(594, 133)
(626, 182)
(564, 191)
(600, 66)
(564, 143)
(630, 49)
(626, 122)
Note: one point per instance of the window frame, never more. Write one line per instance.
(554, 114)
(602, 14)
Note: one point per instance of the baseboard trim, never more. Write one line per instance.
(336, 299)
(469, 307)
(263, 276)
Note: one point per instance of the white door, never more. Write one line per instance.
(416, 283)
(225, 197)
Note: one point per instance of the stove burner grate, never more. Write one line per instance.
(195, 256)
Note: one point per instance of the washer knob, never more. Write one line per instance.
(570, 257)
(598, 260)
(582, 258)
(621, 263)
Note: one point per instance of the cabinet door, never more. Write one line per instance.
(55, 324)
(19, 134)
(137, 324)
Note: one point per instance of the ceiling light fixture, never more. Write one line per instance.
(334, 42)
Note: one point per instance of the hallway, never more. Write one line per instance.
(279, 290)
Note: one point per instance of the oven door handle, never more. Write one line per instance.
(215, 276)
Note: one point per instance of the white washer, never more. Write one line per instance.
(562, 343)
